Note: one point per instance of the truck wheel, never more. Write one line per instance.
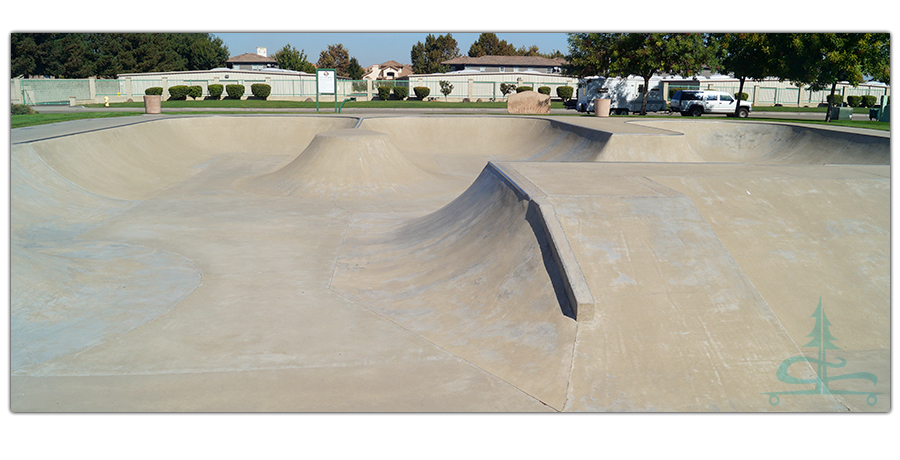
(622, 112)
(743, 113)
(696, 111)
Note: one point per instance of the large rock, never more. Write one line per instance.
(528, 102)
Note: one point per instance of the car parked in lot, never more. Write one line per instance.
(694, 103)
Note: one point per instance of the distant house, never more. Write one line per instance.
(251, 61)
(506, 64)
(390, 70)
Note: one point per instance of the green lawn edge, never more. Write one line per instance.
(21, 121)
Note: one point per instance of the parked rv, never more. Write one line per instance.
(625, 94)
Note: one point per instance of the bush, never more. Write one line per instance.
(564, 92)
(384, 92)
(506, 89)
(446, 88)
(523, 88)
(260, 90)
(155, 91)
(838, 99)
(215, 91)
(179, 92)
(869, 101)
(20, 109)
(195, 91)
(742, 96)
(422, 92)
(234, 91)
(401, 92)
(544, 90)
(854, 101)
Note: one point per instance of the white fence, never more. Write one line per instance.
(472, 86)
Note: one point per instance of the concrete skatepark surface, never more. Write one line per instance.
(447, 264)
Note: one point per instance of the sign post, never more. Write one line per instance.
(326, 83)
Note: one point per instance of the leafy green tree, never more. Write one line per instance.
(748, 55)
(335, 57)
(427, 57)
(590, 54)
(354, 70)
(821, 60)
(291, 59)
(645, 54)
(488, 44)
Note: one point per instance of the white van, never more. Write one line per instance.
(624, 94)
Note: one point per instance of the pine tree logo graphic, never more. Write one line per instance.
(822, 340)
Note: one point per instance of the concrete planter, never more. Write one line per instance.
(152, 104)
(601, 107)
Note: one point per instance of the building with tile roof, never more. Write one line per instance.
(252, 61)
(390, 70)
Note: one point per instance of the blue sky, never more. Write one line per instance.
(376, 47)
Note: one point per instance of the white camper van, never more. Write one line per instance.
(624, 94)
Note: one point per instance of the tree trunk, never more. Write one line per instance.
(830, 102)
(737, 96)
(644, 95)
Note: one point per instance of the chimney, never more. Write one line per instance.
(261, 51)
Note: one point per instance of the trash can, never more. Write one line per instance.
(601, 107)
(153, 104)
(874, 113)
(885, 114)
(842, 113)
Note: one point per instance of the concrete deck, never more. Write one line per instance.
(445, 264)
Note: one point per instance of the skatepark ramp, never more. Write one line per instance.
(449, 263)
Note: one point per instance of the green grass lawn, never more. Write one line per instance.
(223, 105)
(264, 104)
(21, 121)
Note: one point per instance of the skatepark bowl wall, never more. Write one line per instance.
(449, 264)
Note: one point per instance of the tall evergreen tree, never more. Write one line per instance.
(334, 57)
(354, 70)
(289, 58)
(488, 44)
(427, 57)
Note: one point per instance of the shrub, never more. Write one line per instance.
(359, 86)
(401, 92)
(384, 92)
(838, 99)
(260, 90)
(422, 92)
(742, 96)
(234, 91)
(854, 101)
(195, 91)
(869, 101)
(20, 109)
(544, 90)
(215, 91)
(446, 88)
(155, 91)
(523, 88)
(564, 92)
(178, 92)
(506, 89)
